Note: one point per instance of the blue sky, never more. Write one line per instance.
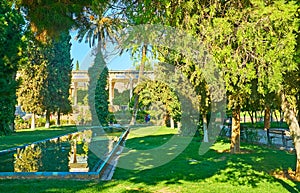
(82, 53)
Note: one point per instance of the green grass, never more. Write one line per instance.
(215, 171)
(260, 125)
(26, 136)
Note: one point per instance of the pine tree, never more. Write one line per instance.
(98, 29)
(41, 15)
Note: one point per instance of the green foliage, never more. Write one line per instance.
(25, 124)
(101, 97)
(249, 135)
(248, 44)
(63, 12)
(98, 24)
(46, 76)
(77, 65)
(122, 98)
(97, 28)
(98, 93)
(84, 116)
(21, 123)
(33, 76)
(59, 68)
(11, 29)
(82, 96)
(151, 92)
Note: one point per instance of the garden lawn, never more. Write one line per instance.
(260, 125)
(215, 171)
(26, 136)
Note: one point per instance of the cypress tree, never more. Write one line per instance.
(59, 76)
(98, 93)
(77, 65)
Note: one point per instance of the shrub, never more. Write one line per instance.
(21, 123)
(40, 122)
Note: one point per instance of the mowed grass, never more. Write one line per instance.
(26, 136)
(153, 161)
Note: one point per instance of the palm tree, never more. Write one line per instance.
(141, 72)
(99, 28)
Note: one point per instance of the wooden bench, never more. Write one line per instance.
(281, 133)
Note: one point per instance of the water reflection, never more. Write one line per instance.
(78, 156)
(27, 159)
(68, 153)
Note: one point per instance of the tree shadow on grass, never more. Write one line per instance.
(249, 169)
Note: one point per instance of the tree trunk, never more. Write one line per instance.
(298, 116)
(251, 117)
(205, 131)
(47, 125)
(276, 117)
(136, 98)
(178, 125)
(271, 116)
(33, 121)
(172, 123)
(58, 118)
(267, 121)
(281, 117)
(235, 131)
(293, 124)
(75, 151)
(255, 115)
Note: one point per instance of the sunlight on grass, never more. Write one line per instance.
(150, 131)
(220, 146)
(41, 129)
(26, 136)
(215, 171)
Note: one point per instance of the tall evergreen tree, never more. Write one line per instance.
(59, 76)
(98, 93)
(10, 40)
(98, 30)
(77, 65)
